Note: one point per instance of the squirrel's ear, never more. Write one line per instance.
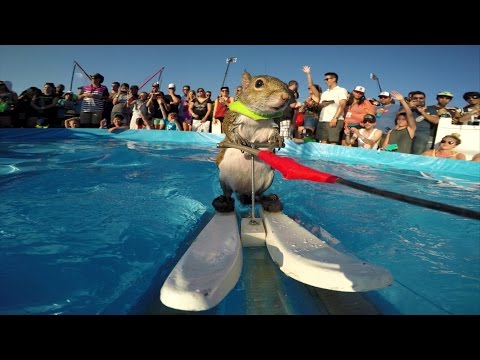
(246, 77)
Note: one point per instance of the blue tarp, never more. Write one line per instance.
(309, 151)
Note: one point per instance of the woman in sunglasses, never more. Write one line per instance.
(445, 149)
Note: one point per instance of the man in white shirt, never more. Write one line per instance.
(333, 102)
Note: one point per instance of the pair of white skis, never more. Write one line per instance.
(212, 265)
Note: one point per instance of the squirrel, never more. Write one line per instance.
(248, 121)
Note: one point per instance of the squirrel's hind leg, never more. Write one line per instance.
(224, 203)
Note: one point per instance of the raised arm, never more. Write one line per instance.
(306, 70)
(412, 125)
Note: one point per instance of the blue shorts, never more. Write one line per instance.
(310, 122)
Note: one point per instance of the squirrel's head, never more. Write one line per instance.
(264, 95)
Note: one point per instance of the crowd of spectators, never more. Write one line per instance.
(332, 115)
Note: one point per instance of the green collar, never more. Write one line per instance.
(240, 108)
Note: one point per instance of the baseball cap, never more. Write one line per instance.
(445, 93)
(171, 85)
(471, 93)
(359, 88)
(384, 93)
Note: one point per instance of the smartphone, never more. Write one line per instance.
(421, 103)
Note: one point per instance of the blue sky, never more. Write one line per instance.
(430, 68)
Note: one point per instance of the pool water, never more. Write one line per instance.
(93, 224)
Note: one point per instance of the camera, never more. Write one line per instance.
(421, 103)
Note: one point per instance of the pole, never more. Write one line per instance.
(150, 78)
(229, 61)
(375, 77)
(160, 80)
(83, 70)
(291, 170)
(252, 216)
(73, 74)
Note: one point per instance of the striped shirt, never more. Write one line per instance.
(94, 104)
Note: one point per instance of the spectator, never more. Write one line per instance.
(471, 111)
(171, 122)
(200, 108)
(220, 106)
(187, 116)
(307, 136)
(403, 133)
(432, 113)
(141, 123)
(108, 103)
(386, 113)
(183, 106)
(311, 106)
(445, 149)
(93, 97)
(368, 137)
(333, 102)
(8, 101)
(73, 122)
(45, 106)
(286, 120)
(423, 139)
(357, 107)
(119, 103)
(66, 107)
(238, 90)
(117, 123)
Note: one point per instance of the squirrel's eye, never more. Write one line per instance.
(259, 83)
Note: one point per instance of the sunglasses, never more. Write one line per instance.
(326, 79)
(383, 97)
(449, 142)
(200, 90)
(371, 121)
(471, 97)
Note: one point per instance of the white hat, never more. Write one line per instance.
(359, 88)
(171, 85)
(384, 93)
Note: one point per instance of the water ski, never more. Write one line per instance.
(304, 257)
(209, 269)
